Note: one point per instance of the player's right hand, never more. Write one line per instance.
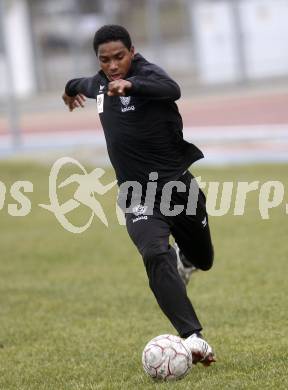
(73, 101)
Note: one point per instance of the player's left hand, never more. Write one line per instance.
(118, 87)
(73, 101)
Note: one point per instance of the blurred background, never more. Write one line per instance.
(230, 58)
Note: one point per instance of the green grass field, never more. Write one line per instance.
(76, 310)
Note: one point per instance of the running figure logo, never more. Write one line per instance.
(88, 186)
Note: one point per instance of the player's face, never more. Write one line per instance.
(115, 59)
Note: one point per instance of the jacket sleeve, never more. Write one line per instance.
(87, 86)
(154, 83)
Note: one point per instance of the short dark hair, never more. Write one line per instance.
(111, 32)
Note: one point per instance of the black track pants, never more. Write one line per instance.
(150, 234)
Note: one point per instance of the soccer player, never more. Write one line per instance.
(143, 131)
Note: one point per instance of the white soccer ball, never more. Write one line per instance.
(166, 357)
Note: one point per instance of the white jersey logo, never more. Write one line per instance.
(139, 210)
(100, 103)
(204, 222)
(125, 100)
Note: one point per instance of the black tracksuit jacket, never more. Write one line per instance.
(143, 131)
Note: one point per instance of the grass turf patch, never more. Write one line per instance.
(76, 310)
